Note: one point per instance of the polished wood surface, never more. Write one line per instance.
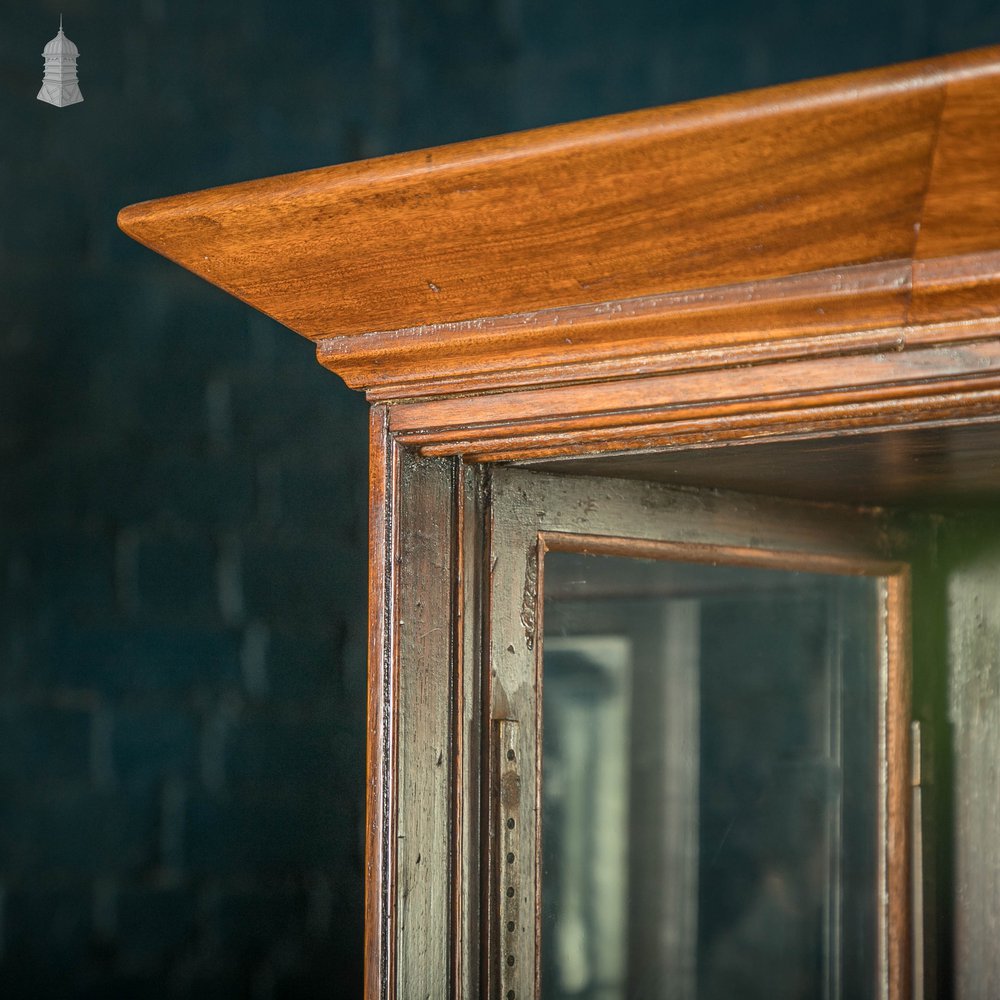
(895, 873)
(961, 211)
(745, 402)
(380, 799)
(795, 211)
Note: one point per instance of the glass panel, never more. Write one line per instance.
(709, 782)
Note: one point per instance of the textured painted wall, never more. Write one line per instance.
(182, 520)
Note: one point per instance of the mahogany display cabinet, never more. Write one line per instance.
(684, 675)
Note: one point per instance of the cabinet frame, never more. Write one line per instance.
(806, 272)
(453, 602)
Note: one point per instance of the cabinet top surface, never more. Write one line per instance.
(859, 201)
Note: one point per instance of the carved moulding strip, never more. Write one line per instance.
(945, 382)
(851, 310)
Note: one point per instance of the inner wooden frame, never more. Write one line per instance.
(894, 917)
(530, 514)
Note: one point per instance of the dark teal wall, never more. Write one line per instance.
(182, 518)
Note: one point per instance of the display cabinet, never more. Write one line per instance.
(684, 675)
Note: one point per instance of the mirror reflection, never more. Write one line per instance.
(709, 781)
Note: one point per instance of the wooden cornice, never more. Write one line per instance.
(852, 215)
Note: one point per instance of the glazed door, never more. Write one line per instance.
(696, 755)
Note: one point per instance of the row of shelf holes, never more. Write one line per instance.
(511, 995)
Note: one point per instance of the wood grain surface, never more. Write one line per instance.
(671, 228)
(380, 799)
(796, 397)
(425, 729)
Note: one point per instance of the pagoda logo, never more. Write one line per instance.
(59, 85)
